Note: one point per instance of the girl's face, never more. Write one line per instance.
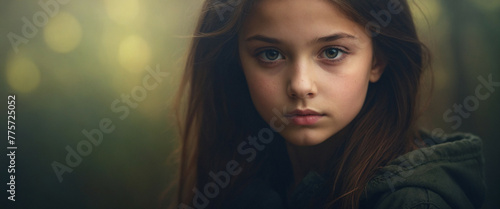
(306, 59)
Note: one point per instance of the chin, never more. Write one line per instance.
(305, 139)
(304, 142)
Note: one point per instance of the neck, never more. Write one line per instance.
(311, 158)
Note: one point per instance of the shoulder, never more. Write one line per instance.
(446, 174)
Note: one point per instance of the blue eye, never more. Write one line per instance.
(270, 55)
(332, 53)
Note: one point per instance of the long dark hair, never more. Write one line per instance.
(216, 114)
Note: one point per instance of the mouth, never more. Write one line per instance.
(304, 117)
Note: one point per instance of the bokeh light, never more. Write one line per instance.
(134, 53)
(22, 74)
(122, 11)
(63, 33)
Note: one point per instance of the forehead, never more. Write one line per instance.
(307, 18)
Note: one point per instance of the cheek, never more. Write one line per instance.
(356, 86)
(347, 95)
(354, 97)
(264, 92)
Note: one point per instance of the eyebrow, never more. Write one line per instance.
(329, 38)
(336, 37)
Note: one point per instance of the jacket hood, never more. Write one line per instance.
(450, 166)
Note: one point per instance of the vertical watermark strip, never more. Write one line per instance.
(11, 147)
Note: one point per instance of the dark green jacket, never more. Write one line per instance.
(448, 174)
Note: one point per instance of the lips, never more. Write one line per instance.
(304, 117)
(303, 112)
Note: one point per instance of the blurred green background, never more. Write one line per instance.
(78, 57)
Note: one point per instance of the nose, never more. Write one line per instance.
(301, 81)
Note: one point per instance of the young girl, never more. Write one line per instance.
(312, 104)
